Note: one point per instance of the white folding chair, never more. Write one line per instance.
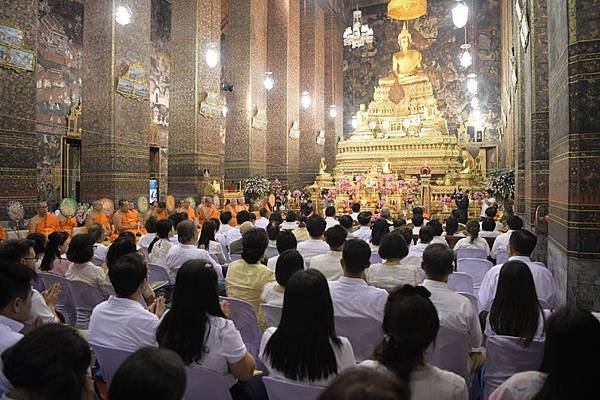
(375, 259)
(85, 298)
(271, 252)
(450, 351)
(470, 253)
(460, 282)
(110, 360)
(272, 314)
(204, 384)
(476, 268)
(472, 299)
(244, 317)
(65, 304)
(365, 334)
(501, 256)
(279, 389)
(157, 273)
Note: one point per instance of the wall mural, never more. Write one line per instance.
(160, 67)
(439, 42)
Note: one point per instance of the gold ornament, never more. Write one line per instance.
(404, 10)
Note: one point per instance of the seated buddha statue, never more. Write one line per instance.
(406, 61)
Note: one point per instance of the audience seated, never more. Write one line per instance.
(208, 242)
(417, 222)
(263, 221)
(196, 327)
(225, 219)
(565, 373)
(378, 231)
(365, 384)
(54, 259)
(351, 295)
(452, 227)
(176, 218)
(520, 246)
(411, 324)
(330, 263)
(49, 363)
(490, 216)
(98, 235)
(276, 217)
(304, 347)
(15, 301)
(347, 223)
(220, 238)
(398, 223)
(315, 245)
(150, 374)
(393, 271)
(514, 223)
(364, 232)
(330, 217)
(425, 238)
(273, 230)
(80, 253)
(236, 247)
(39, 246)
(290, 222)
(288, 262)
(160, 245)
(247, 277)
(386, 214)
(488, 226)
(121, 322)
(355, 211)
(418, 211)
(301, 232)
(438, 230)
(516, 310)
(473, 241)
(150, 234)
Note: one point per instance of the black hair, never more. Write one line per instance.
(39, 242)
(436, 226)
(15, 281)
(516, 310)
(119, 248)
(186, 231)
(451, 226)
(13, 250)
(392, 246)
(364, 218)
(254, 244)
(399, 222)
(407, 234)
(290, 216)
(161, 204)
(217, 223)
(242, 217)
(417, 220)
(263, 212)
(252, 217)
(225, 217)
(514, 222)
(302, 220)
(185, 327)
(122, 202)
(288, 262)
(273, 230)
(411, 324)
(163, 228)
(55, 239)
(378, 230)
(176, 218)
(490, 212)
(150, 224)
(488, 225)
(359, 383)
(438, 261)
(335, 236)
(426, 234)
(417, 210)
(286, 240)
(346, 221)
(356, 255)
(473, 229)
(207, 234)
(81, 249)
(330, 211)
(570, 375)
(316, 226)
(50, 362)
(356, 207)
(302, 347)
(127, 274)
(95, 231)
(127, 235)
(276, 217)
(150, 373)
(522, 242)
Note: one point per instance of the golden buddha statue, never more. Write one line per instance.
(406, 61)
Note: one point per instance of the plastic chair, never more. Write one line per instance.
(375, 259)
(271, 252)
(110, 360)
(472, 299)
(272, 314)
(235, 257)
(244, 317)
(501, 256)
(85, 298)
(506, 356)
(460, 282)
(204, 384)
(365, 334)
(96, 261)
(450, 351)
(156, 273)
(476, 268)
(279, 389)
(65, 304)
(470, 253)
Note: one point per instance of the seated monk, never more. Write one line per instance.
(206, 211)
(185, 207)
(160, 212)
(97, 216)
(66, 224)
(3, 235)
(43, 222)
(126, 219)
(230, 207)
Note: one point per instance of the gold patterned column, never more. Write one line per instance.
(195, 127)
(116, 127)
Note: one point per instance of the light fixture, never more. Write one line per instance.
(269, 82)
(372, 124)
(476, 116)
(465, 58)
(358, 34)
(354, 122)
(406, 123)
(212, 55)
(385, 125)
(472, 83)
(460, 15)
(475, 103)
(123, 15)
(224, 110)
(332, 111)
(305, 100)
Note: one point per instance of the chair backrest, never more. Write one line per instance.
(470, 253)
(476, 267)
(85, 298)
(65, 304)
(375, 259)
(235, 257)
(460, 282)
(278, 389)
(244, 317)
(450, 351)
(501, 256)
(157, 273)
(506, 356)
(110, 360)
(472, 299)
(271, 252)
(365, 334)
(204, 384)
(96, 261)
(272, 314)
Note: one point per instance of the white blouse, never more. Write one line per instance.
(388, 276)
(478, 243)
(159, 252)
(273, 294)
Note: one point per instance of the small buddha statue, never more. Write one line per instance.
(386, 166)
(407, 60)
(322, 166)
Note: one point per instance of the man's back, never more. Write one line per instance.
(352, 297)
(312, 247)
(329, 264)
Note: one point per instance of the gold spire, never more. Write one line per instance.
(406, 9)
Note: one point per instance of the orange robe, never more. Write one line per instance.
(232, 221)
(47, 224)
(190, 212)
(212, 212)
(160, 215)
(67, 224)
(102, 219)
(131, 217)
(3, 235)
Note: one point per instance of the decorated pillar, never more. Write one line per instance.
(116, 113)
(197, 128)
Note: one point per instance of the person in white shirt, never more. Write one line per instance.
(392, 271)
(347, 223)
(417, 222)
(80, 253)
(176, 218)
(351, 295)
(263, 221)
(304, 348)
(220, 238)
(160, 246)
(330, 263)
(364, 232)
(378, 231)
(285, 241)
(315, 245)
(488, 228)
(425, 238)
(490, 214)
(96, 232)
(288, 262)
(290, 222)
(514, 223)
(121, 322)
(438, 230)
(208, 242)
(473, 241)
(451, 227)
(520, 246)
(410, 325)
(187, 235)
(365, 384)
(218, 344)
(147, 238)
(272, 233)
(330, 220)
(225, 218)
(487, 202)
(355, 211)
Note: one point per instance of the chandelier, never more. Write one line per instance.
(358, 34)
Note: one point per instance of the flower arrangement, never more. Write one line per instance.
(296, 194)
(446, 200)
(81, 213)
(359, 178)
(381, 204)
(276, 186)
(389, 178)
(410, 198)
(477, 196)
(16, 213)
(256, 186)
(501, 182)
(384, 190)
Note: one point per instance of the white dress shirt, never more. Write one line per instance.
(215, 248)
(181, 253)
(388, 276)
(353, 297)
(272, 262)
(310, 248)
(273, 293)
(10, 333)
(436, 239)
(100, 251)
(146, 239)
(354, 216)
(484, 234)
(331, 222)
(122, 324)
(455, 311)
(417, 249)
(159, 252)
(478, 243)
(344, 356)
(417, 229)
(501, 242)
(174, 239)
(233, 234)
(261, 223)
(542, 278)
(87, 273)
(484, 206)
(329, 264)
(39, 308)
(363, 233)
(288, 226)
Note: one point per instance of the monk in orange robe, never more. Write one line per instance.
(206, 211)
(185, 207)
(66, 224)
(97, 216)
(127, 219)
(230, 206)
(3, 235)
(160, 212)
(43, 222)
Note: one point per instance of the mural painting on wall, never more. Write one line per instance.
(160, 68)
(439, 42)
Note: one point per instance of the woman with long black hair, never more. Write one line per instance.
(208, 242)
(54, 260)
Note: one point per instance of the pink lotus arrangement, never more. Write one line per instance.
(344, 183)
(477, 195)
(446, 200)
(411, 198)
(389, 178)
(359, 177)
(296, 193)
(351, 191)
(381, 203)
(384, 190)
